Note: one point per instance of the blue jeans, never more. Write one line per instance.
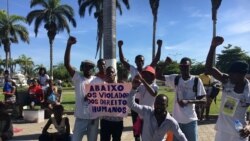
(190, 131)
(83, 127)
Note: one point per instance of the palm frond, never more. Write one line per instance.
(82, 8)
(34, 14)
(22, 33)
(42, 3)
(118, 6)
(126, 2)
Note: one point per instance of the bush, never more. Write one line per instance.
(69, 84)
(64, 84)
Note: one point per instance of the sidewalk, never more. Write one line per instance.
(31, 131)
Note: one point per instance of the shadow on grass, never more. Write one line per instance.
(27, 137)
(212, 120)
(69, 102)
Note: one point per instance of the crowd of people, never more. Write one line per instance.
(150, 117)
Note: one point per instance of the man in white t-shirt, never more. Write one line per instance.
(185, 97)
(83, 123)
(139, 61)
(235, 98)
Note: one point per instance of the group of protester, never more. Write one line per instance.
(151, 120)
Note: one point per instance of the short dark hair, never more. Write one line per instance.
(6, 72)
(58, 108)
(138, 56)
(100, 60)
(110, 67)
(184, 59)
(163, 95)
(239, 66)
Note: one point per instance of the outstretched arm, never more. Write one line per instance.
(122, 59)
(71, 41)
(147, 86)
(159, 74)
(131, 97)
(216, 41)
(46, 127)
(158, 54)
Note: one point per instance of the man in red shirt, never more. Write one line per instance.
(35, 93)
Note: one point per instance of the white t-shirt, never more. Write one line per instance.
(133, 71)
(43, 79)
(233, 107)
(145, 98)
(184, 90)
(79, 83)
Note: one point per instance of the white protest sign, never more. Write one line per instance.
(108, 99)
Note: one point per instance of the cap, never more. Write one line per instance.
(88, 62)
(240, 67)
(149, 69)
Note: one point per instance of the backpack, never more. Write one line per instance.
(195, 86)
(215, 90)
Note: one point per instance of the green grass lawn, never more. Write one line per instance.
(213, 110)
(68, 99)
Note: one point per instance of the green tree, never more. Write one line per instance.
(154, 4)
(229, 55)
(26, 64)
(2, 64)
(61, 73)
(170, 69)
(12, 64)
(122, 72)
(11, 30)
(98, 14)
(54, 15)
(197, 68)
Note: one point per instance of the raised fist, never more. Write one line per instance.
(159, 43)
(71, 40)
(120, 43)
(136, 82)
(217, 41)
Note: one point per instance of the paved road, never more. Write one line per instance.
(31, 131)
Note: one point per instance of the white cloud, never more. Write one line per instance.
(240, 27)
(199, 14)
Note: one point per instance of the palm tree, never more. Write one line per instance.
(11, 29)
(37, 67)
(25, 63)
(12, 64)
(54, 16)
(98, 14)
(154, 4)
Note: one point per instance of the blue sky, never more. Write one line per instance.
(184, 26)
